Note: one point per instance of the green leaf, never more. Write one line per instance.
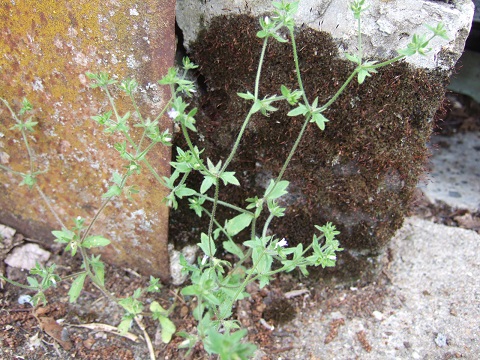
(238, 223)
(228, 346)
(26, 106)
(196, 204)
(228, 177)
(262, 34)
(207, 245)
(300, 110)
(95, 241)
(207, 182)
(247, 96)
(233, 248)
(76, 287)
(125, 325)
(353, 58)
(28, 179)
(131, 305)
(63, 236)
(114, 190)
(320, 120)
(33, 282)
(277, 191)
(157, 309)
(257, 105)
(439, 30)
(184, 191)
(168, 329)
(98, 268)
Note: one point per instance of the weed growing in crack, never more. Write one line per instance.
(215, 283)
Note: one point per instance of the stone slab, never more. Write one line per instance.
(431, 310)
(455, 171)
(386, 26)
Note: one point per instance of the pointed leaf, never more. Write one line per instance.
(168, 329)
(208, 181)
(238, 223)
(300, 110)
(228, 177)
(76, 288)
(207, 245)
(233, 248)
(95, 241)
(279, 190)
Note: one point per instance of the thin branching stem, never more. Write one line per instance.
(50, 207)
(250, 113)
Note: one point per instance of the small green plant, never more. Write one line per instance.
(215, 283)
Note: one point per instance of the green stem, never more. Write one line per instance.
(24, 136)
(249, 115)
(341, 90)
(297, 67)
(360, 49)
(192, 150)
(267, 225)
(387, 62)
(50, 207)
(3, 167)
(212, 216)
(26, 287)
(153, 171)
(217, 224)
(223, 203)
(99, 211)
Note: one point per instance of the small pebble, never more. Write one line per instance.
(25, 299)
(377, 315)
(441, 340)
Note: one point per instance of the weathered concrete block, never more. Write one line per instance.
(386, 27)
(46, 48)
(360, 173)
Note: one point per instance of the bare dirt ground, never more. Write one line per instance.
(424, 305)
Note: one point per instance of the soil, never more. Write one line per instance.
(56, 331)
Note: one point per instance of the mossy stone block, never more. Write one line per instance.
(360, 173)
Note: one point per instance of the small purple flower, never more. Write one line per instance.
(172, 113)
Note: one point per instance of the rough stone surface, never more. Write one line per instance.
(46, 48)
(430, 312)
(455, 171)
(386, 26)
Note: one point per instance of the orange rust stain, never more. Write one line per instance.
(46, 47)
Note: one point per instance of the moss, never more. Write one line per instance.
(279, 310)
(359, 173)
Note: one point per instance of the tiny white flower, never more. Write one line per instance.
(168, 138)
(267, 20)
(204, 260)
(172, 113)
(281, 243)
